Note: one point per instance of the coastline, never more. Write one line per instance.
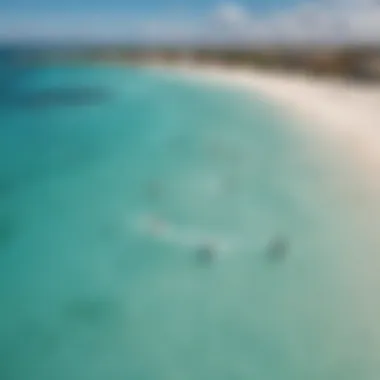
(342, 121)
(343, 115)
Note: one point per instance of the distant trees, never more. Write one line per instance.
(349, 62)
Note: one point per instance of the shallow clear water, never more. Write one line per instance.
(105, 203)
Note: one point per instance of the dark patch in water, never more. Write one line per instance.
(91, 311)
(278, 249)
(60, 96)
(205, 255)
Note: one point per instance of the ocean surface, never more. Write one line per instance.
(117, 183)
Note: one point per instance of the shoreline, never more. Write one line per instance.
(343, 115)
(342, 121)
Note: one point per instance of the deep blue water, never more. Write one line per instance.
(112, 179)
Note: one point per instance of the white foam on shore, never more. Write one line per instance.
(344, 114)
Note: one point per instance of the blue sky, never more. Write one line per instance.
(246, 21)
(142, 6)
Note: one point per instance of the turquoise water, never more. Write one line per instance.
(103, 207)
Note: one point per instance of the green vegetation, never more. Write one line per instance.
(360, 63)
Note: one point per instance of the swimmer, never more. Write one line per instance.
(278, 248)
(206, 253)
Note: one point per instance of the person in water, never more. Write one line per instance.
(206, 253)
(278, 248)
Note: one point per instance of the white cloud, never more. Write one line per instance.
(311, 21)
(231, 14)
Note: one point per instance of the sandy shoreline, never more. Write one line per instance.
(344, 121)
(345, 116)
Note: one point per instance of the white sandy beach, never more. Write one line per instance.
(345, 116)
